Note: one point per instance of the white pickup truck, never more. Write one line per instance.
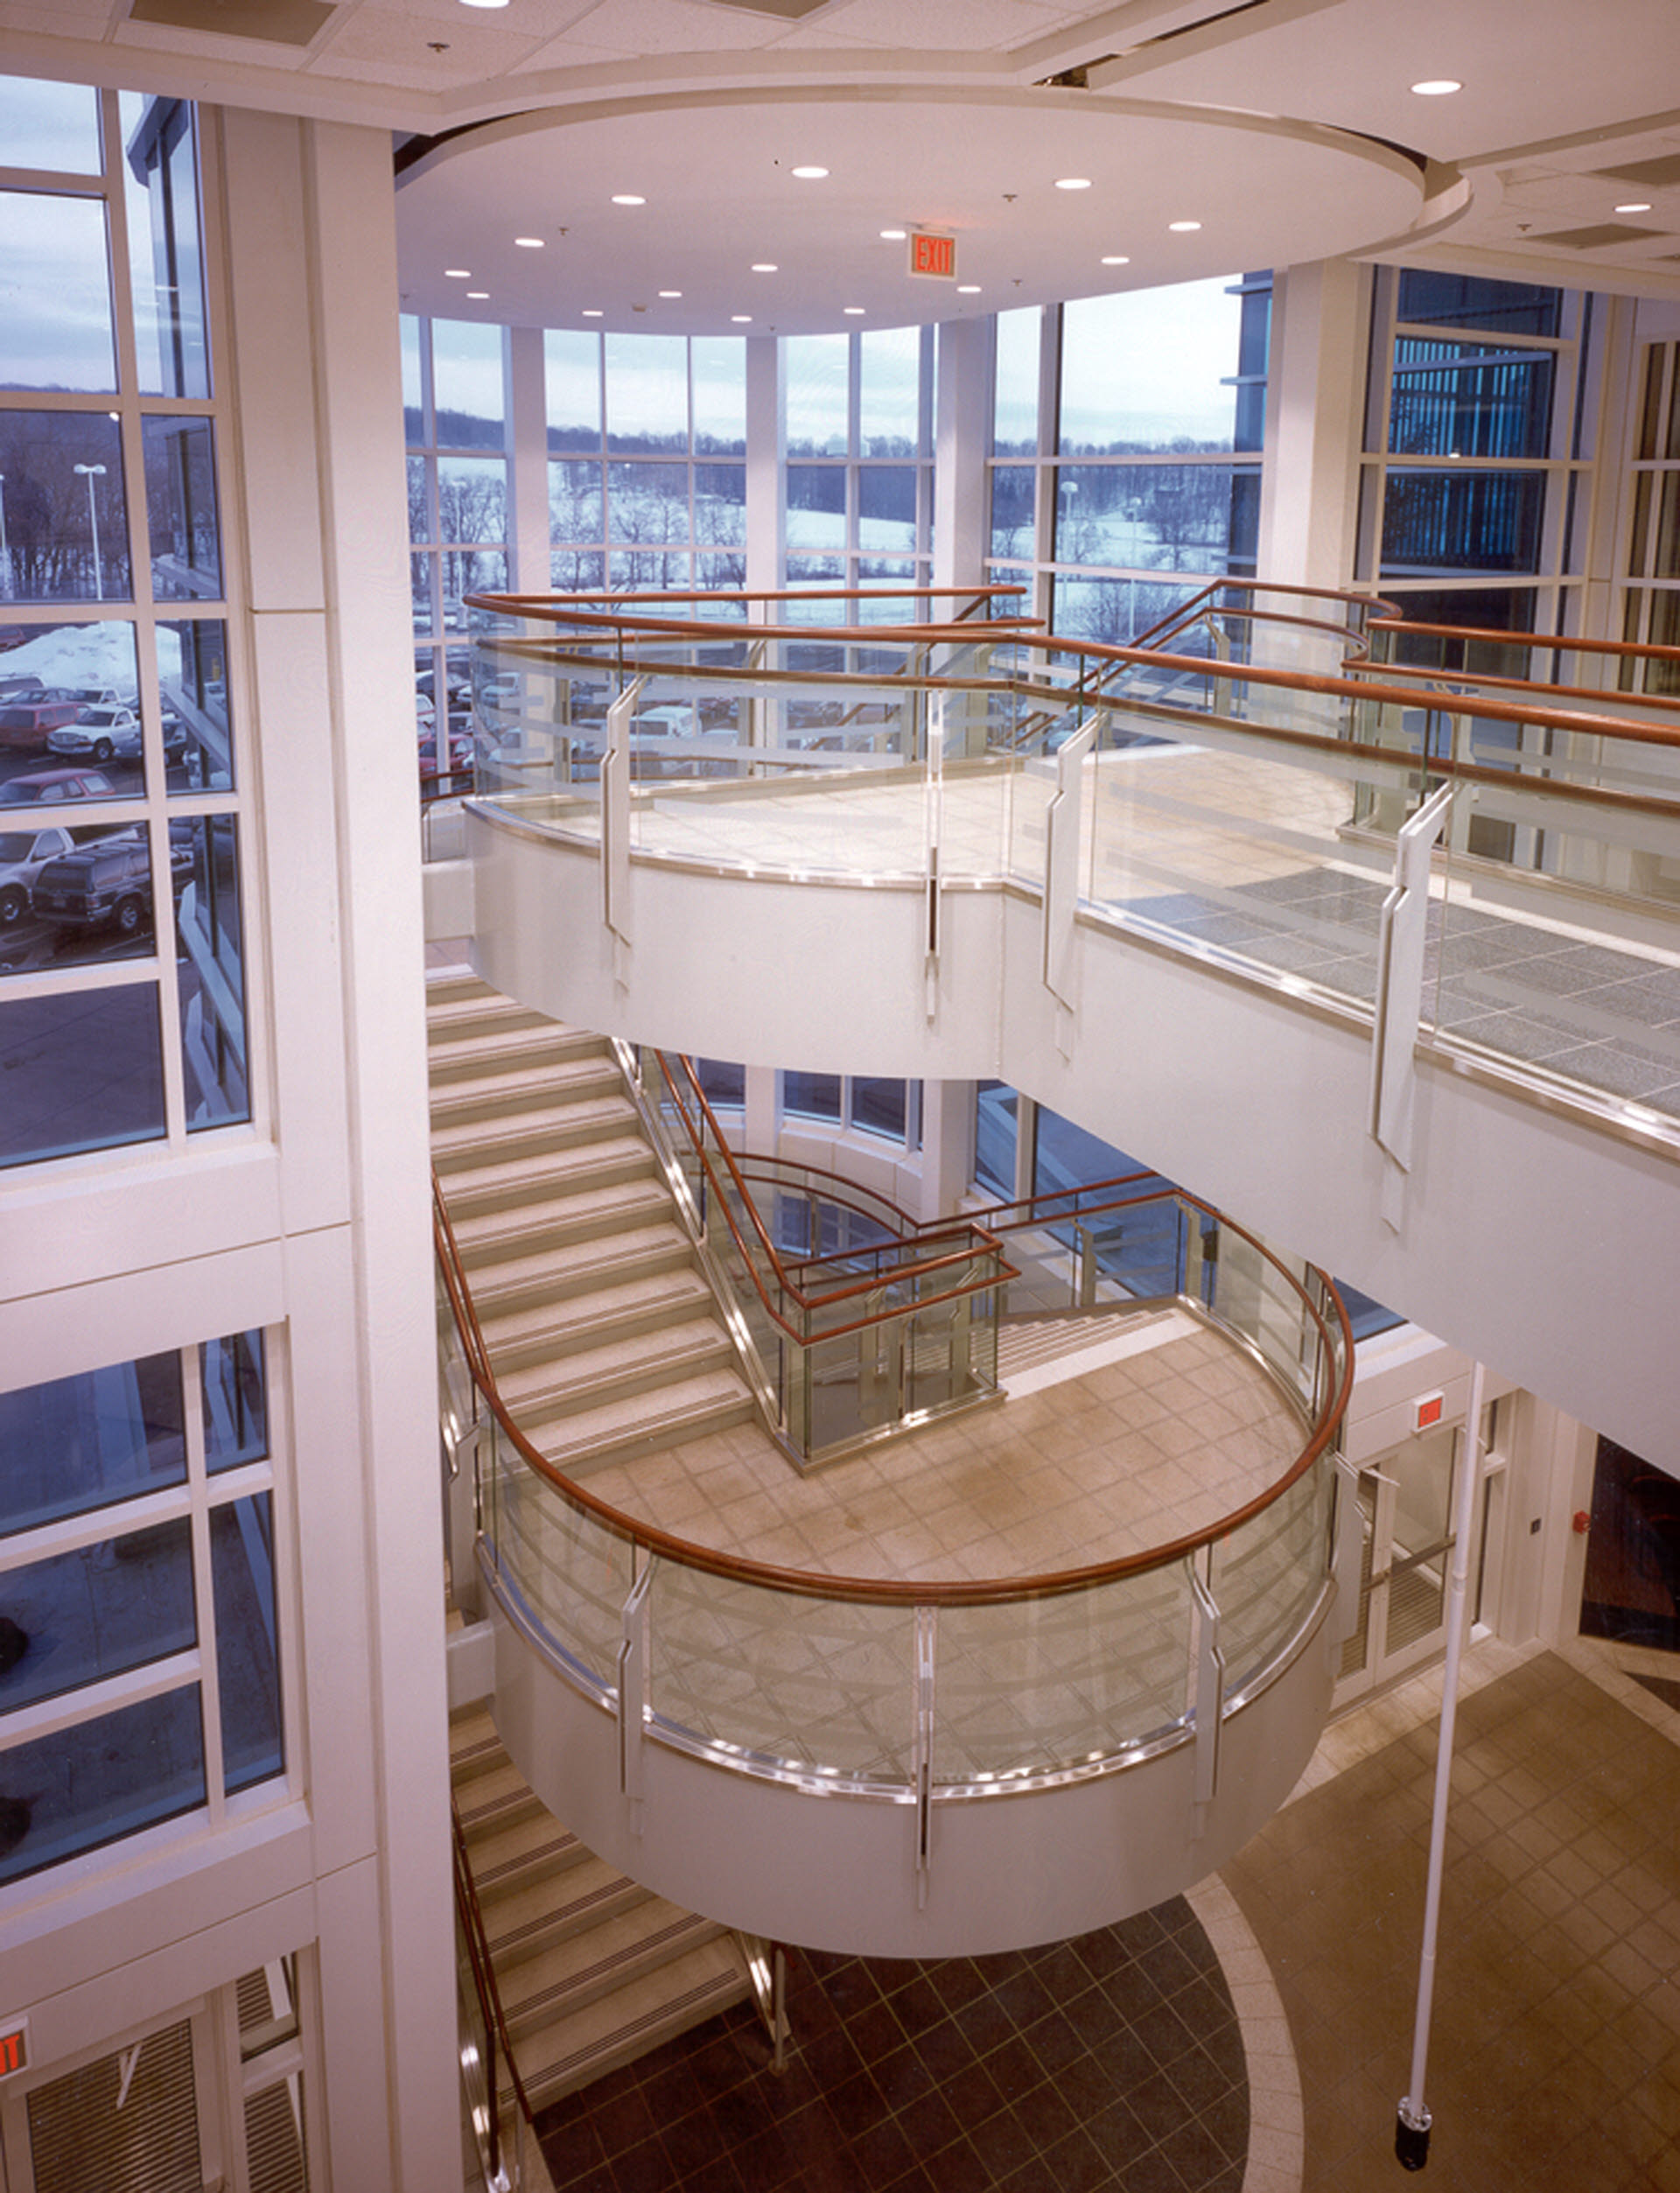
(24, 853)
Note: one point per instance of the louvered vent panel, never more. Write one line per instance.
(80, 2139)
(274, 2141)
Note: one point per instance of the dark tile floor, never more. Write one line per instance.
(1114, 2061)
(1554, 2060)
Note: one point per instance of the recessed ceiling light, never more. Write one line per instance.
(528, 243)
(1183, 227)
(809, 174)
(1116, 259)
(742, 319)
(591, 312)
(484, 3)
(893, 235)
(1436, 86)
(670, 292)
(458, 274)
(628, 197)
(1073, 182)
(853, 309)
(478, 296)
(1638, 206)
(764, 266)
(967, 289)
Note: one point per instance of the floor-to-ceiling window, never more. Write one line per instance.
(858, 416)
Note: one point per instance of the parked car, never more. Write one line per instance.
(47, 787)
(28, 721)
(91, 696)
(109, 882)
(460, 754)
(98, 734)
(24, 853)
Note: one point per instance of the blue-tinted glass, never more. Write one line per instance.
(160, 174)
(87, 1441)
(98, 903)
(101, 1780)
(55, 292)
(646, 394)
(421, 575)
(889, 392)
(720, 504)
(76, 1618)
(723, 1081)
(1014, 494)
(414, 409)
(83, 1072)
(420, 517)
(878, 1106)
(1148, 371)
(181, 506)
(473, 499)
(247, 1662)
(204, 854)
(817, 505)
(470, 572)
(197, 729)
(235, 1401)
(1015, 416)
(575, 507)
(1469, 400)
(722, 570)
(572, 372)
(886, 507)
(67, 517)
(54, 675)
(650, 569)
(1469, 300)
(50, 126)
(811, 1096)
(572, 573)
(995, 1131)
(469, 402)
(817, 369)
(1175, 517)
(647, 504)
(1119, 612)
(719, 367)
(1461, 521)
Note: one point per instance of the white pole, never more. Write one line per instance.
(1411, 2133)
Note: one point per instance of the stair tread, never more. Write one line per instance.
(576, 1117)
(577, 2047)
(573, 1262)
(695, 1338)
(679, 1409)
(547, 1168)
(564, 1975)
(654, 1293)
(583, 1206)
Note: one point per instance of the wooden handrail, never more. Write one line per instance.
(1558, 642)
(883, 1592)
(484, 1982)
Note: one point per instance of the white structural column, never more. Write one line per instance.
(315, 358)
(528, 565)
(1315, 411)
(767, 480)
(963, 427)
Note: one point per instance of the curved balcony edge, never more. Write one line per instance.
(840, 1869)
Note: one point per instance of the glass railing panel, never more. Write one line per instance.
(1245, 856)
(807, 1683)
(1042, 1685)
(1268, 1575)
(1254, 1298)
(476, 2054)
(572, 1574)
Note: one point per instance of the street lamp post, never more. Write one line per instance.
(90, 472)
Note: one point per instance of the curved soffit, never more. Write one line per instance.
(715, 170)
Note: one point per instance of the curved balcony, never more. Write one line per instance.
(903, 1761)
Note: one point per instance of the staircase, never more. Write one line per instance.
(593, 1970)
(602, 1332)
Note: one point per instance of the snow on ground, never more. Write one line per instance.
(90, 655)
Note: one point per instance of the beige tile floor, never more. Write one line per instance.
(1554, 2061)
(1177, 1428)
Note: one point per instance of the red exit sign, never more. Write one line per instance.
(933, 255)
(14, 2047)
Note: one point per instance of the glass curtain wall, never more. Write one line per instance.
(647, 441)
(1652, 606)
(123, 974)
(858, 422)
(140, 1645)
(1126, 441)
(1472, 506)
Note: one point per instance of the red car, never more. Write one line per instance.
(47, 787)
(25, 722)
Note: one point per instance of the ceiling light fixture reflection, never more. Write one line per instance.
(893, 235)
(853, 309)
(1073, 182)
(670, 292)
(1183, 227)
(809, 174)
(593, 311)
(458, 274)
(765, 266)
(478, 297)
(1637, 205)
(528, 243)
(484, 3)
(967, 289)
(741, 319)
(628, 197)
(1116, 259)
(1436, 86)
